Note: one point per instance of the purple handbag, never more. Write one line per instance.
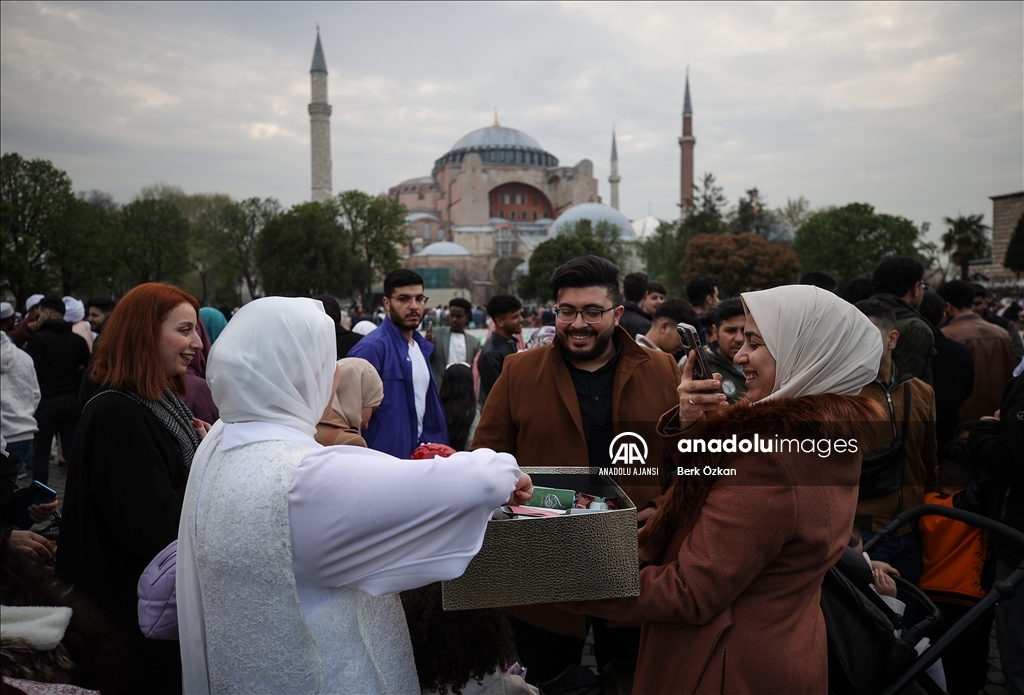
(158, 604)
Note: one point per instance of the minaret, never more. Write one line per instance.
(320, 126)
(615, 178)
(686, 143)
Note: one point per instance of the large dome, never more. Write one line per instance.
(595, 212)
(499, 145)
(496, 136)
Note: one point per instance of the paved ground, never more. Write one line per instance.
(994, 686)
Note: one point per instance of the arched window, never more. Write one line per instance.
(427, 231)
(534, 216)
(513, 213)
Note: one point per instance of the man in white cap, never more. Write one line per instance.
(6, 317)
(29, 324)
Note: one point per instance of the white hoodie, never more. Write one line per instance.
(19, 392)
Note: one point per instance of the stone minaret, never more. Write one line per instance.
(686, 143)
(615, 178)
(320, 126)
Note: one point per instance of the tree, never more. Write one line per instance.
(663, 252)
(375, 227)
(304, 252)
(549, 255)
(232, 232)
(753, 215)
(503, 273)
(35, 202)
(1014, 259)
(965, 240)
(706, 212)
(794, 213)
(740, 262)
(156, 241)
(83, 251)
(848, 242)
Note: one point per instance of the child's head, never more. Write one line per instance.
(955, 466)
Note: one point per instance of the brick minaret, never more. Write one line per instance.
(320, 126)
(686, 143)
(615, 178)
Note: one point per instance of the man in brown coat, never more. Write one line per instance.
(561, 405)
(990, 345)
(893, 389)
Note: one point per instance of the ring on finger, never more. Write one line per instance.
(689, 399)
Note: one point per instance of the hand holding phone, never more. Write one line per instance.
(698, 385)
(691, 343)
(36, 494)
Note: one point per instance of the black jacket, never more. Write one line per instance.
(60, 357)
(635, 320)
(953, 380)
(998, 448)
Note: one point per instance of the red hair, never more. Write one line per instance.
(128, 354)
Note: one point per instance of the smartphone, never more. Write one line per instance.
(691, 341)
(36, 493)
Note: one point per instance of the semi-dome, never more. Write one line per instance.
(497, 144)
(595, 212)
(443, 248)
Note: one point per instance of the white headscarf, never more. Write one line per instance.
(74, 310)
(274, 362)
(821, 343)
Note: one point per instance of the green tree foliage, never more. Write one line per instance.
(552, 253)
(966, 239)
(84, 251)
(706, 213)
(740, 262)
(1014, 259)
(503, 273)
(35, 204)
(375, 227)
(156, 241)
(305, 252)
(663, 252)
(848, 242)
(794, 213)
(230, 233)
(753, 215)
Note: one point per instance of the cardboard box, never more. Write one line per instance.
(561, 558)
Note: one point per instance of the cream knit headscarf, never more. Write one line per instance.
(821, 343)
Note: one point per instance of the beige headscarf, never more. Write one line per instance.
(821, 343)
(359, 387)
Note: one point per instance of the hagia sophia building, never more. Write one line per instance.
(496, 193)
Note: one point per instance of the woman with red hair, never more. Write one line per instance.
(129, 465)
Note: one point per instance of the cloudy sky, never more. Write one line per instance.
(915, 108)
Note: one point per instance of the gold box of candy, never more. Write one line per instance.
(569, 555)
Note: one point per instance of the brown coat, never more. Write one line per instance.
(992, 349)
(732, 604)
(533, 413)
(919, 444)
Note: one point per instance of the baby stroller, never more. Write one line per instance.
(864, 655)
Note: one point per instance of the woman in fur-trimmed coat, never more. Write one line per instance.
(729, 599)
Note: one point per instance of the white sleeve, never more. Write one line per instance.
(366, 520)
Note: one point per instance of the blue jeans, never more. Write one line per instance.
(23, 450)
(903, 553)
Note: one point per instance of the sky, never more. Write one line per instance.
(915, 108)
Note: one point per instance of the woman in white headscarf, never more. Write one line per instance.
(290, 553)
(738, 548)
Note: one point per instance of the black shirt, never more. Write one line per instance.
(60, 357)
(492, 356)
(594, 393)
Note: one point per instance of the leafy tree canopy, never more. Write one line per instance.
(1014, 259)
(305, 252)
(156, 240)
(739, 262)
(375, 228)
(549, 255)
(848, 242)
(966, 239)
(503, 272)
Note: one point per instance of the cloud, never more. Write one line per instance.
(917, 108)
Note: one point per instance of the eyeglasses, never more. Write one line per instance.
(406, 299)
(591, 314)
(924, 285)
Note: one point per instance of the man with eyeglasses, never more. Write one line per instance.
(899, 282)
(561, 405)
(411, 412)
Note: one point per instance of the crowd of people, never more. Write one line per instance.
(320, 471)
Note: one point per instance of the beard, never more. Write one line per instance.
(585, 355)
(404, 322)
